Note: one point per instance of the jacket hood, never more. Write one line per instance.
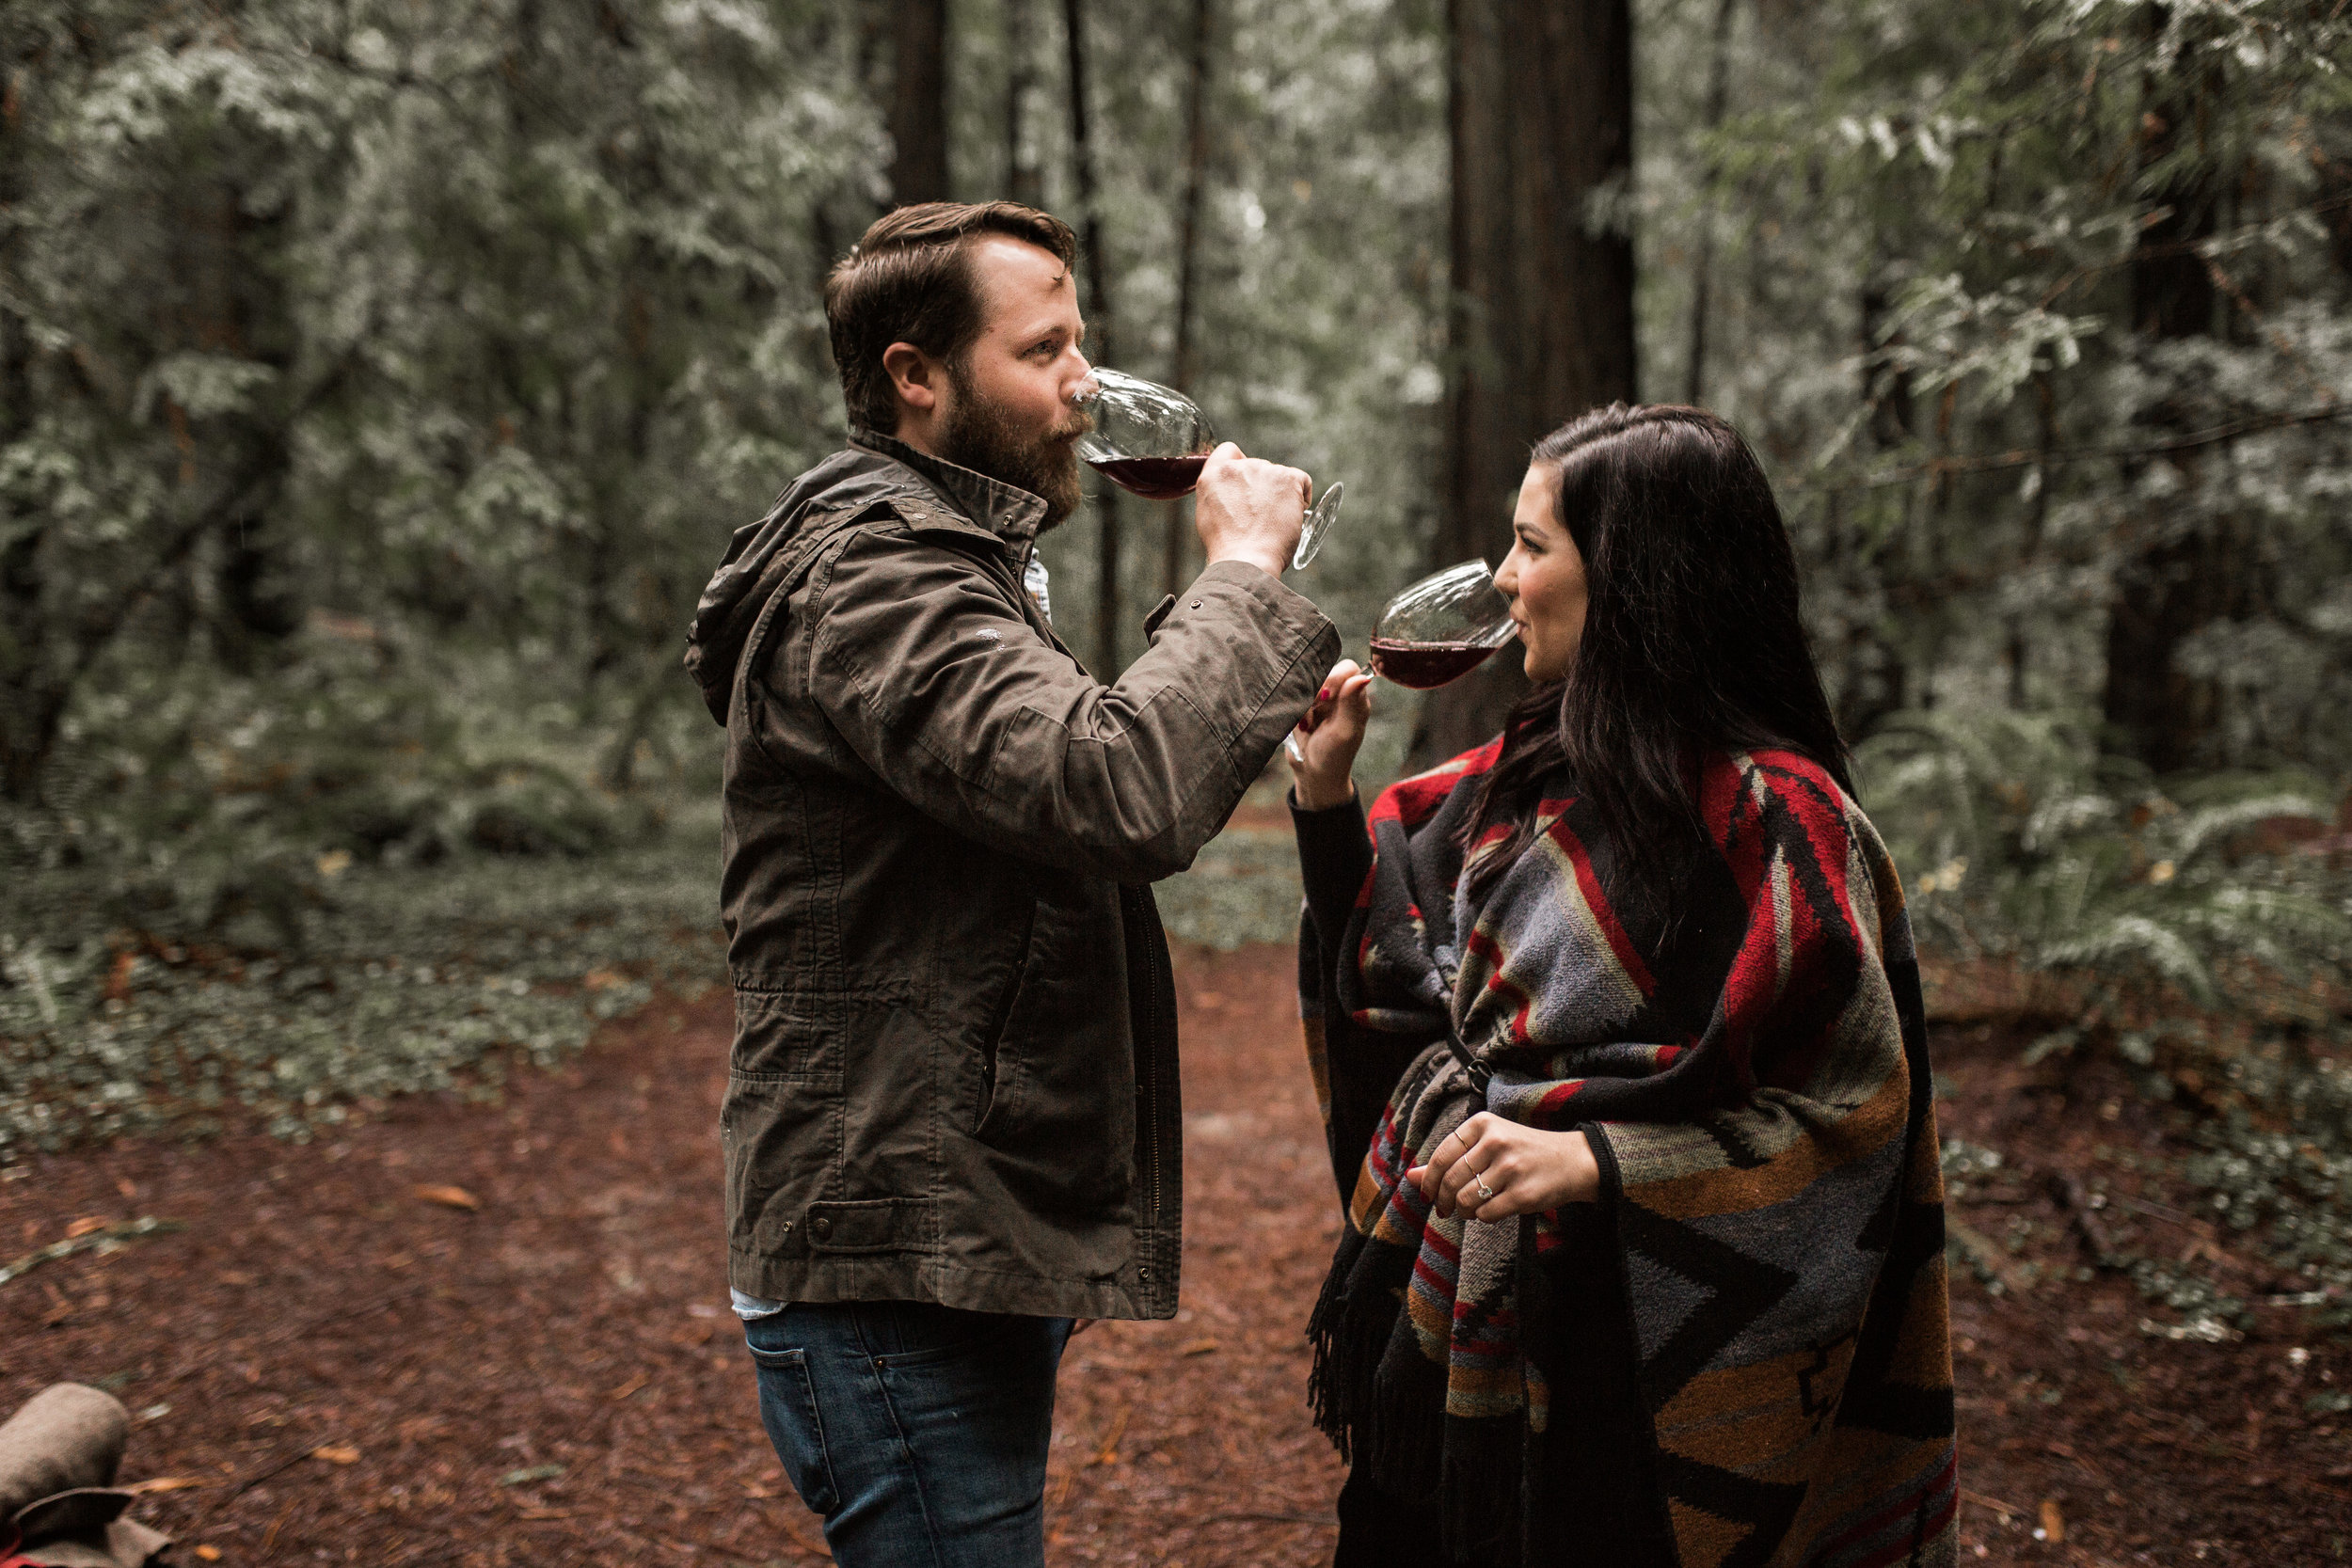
(874, 470)
(732, 600)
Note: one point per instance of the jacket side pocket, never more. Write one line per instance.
(993, 1065)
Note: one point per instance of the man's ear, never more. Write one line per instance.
(913, 375)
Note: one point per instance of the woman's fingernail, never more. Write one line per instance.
(1323, 695)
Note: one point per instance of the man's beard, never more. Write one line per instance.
(978, 434)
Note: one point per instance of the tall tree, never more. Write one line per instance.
(1025, 177)
(1703, 262)
(1187, 368)
(23, 746)
(2187, 572)
(1099, 333)
(1542, 312)
(918, 102)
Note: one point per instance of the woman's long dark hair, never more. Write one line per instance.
(1691, 639)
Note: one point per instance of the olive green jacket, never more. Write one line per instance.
(954, 1076)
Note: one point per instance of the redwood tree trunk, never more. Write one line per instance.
(1542, 311)
(1176, 542)
(27, 720)
(919, 103)
(1099, 336)
(1025, 182)
(1703, 266)
(2180, 580)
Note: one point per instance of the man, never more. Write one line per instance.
(951, 1122)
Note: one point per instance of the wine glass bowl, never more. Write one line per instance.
(1149, 439)
(1442, 627)
(1152, 441)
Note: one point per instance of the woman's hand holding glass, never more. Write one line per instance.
(1323, 747)
(1489, 1169)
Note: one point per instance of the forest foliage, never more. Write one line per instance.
(379, 380)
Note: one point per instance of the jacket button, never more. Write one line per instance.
(1144, 1274)
(821, 1227)
(1196, 604)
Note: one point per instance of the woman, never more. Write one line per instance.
(1617, 1029)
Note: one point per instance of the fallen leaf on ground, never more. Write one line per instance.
(208, 1554)
(337, 1454)
(2053, 1522)
(84, 1226)
(119, 976)
(625, 1389)
(536, 1472)
(164, 1483)
(1199, 1347)
(802, 1542)
(448, 1197)
(1107, 1453)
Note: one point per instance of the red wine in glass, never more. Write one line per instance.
(1423, 665)
(1155, 479)
(1153, 440)
(1437, 630)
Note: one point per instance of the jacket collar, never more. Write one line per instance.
(1009, 512)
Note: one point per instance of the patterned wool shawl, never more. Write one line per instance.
(1752, 1072)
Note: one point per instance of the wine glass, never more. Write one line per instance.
(1442, 627)
(1152, 440)
(1436, 630)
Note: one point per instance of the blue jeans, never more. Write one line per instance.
(918, 1432)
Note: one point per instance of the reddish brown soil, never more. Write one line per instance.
(577, 1319)
(2150, 1450)
(314, 1301)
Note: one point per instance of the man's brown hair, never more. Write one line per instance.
(909, 281)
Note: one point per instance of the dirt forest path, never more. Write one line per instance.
(330, 1366)
(351, 1371)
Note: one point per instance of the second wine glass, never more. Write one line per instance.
(1152, 441)
(1442, 627)
(1434, 631)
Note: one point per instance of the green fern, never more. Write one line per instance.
(2020, 841)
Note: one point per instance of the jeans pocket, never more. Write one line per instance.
(787, 1408)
